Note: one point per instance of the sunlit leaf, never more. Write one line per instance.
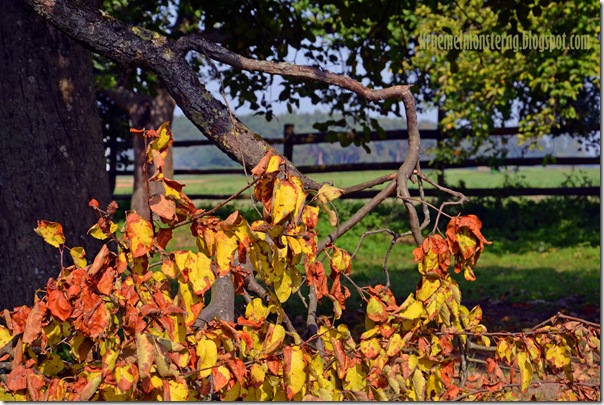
(285, 198)
(526, 370)
(274, 338)
(294, 370)
(144, 354)
(78, 254)
(51, 232)
(140, 233)
(208, 355)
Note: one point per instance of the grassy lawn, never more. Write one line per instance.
(471, 178)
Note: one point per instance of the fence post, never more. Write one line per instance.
(288, 144)
(440, 170)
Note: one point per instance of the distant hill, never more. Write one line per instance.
(210, 157)
(205, 157)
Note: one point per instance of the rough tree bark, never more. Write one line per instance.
(52, 149)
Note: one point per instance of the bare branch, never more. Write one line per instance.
(406, 169)
(311, 319)
(369, 184)
(357, 216)
(198, 43)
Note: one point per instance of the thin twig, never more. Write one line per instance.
(213, 210)
(392, 243)
(367, 233)
(359, 289)
(357, 216)
(369, 184)
(422, 197)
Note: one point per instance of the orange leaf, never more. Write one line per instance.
(35, 382)
(106, 283)
(58, 304)
(163, 207)
(315, 275)
(33, 325)
(17, 379)
(260, 168)
(91, 315)
(221, 376)
(163, 237)
(238, 369)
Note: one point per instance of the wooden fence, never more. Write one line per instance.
(290, 140)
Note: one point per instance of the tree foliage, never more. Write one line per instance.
(544, 89)
(125, 325)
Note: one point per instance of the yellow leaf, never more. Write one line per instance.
(526, 370)
(294, 370)
(234, 393)
(413, 311)
(274, 338)
(114, 394)
(52, 366)
(394, 345)
(273, 164)
(140, 233)
(331, 214)
(558, 355)
(329, 193)
(256, 311)
(427, 289)
(5, 336)
(226, 246)
(192, 302)
(124, 376)
(355, 379)
(419, 384)
(341, 261)
(96, 232)
(78, 255)
(257, 375)
(51, 232)
(178, 390)
(285, 197)
(201, 274)
(283, 285)
(208, 355)
(370, 348)
(144, 354)
(164, 138)
(301, 195)
(376, 310)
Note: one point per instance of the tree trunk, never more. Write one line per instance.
(52, 150)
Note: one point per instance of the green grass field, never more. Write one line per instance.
(477, 178)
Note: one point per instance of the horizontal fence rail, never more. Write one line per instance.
(290, 139)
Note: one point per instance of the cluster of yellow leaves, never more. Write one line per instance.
(120, 328)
